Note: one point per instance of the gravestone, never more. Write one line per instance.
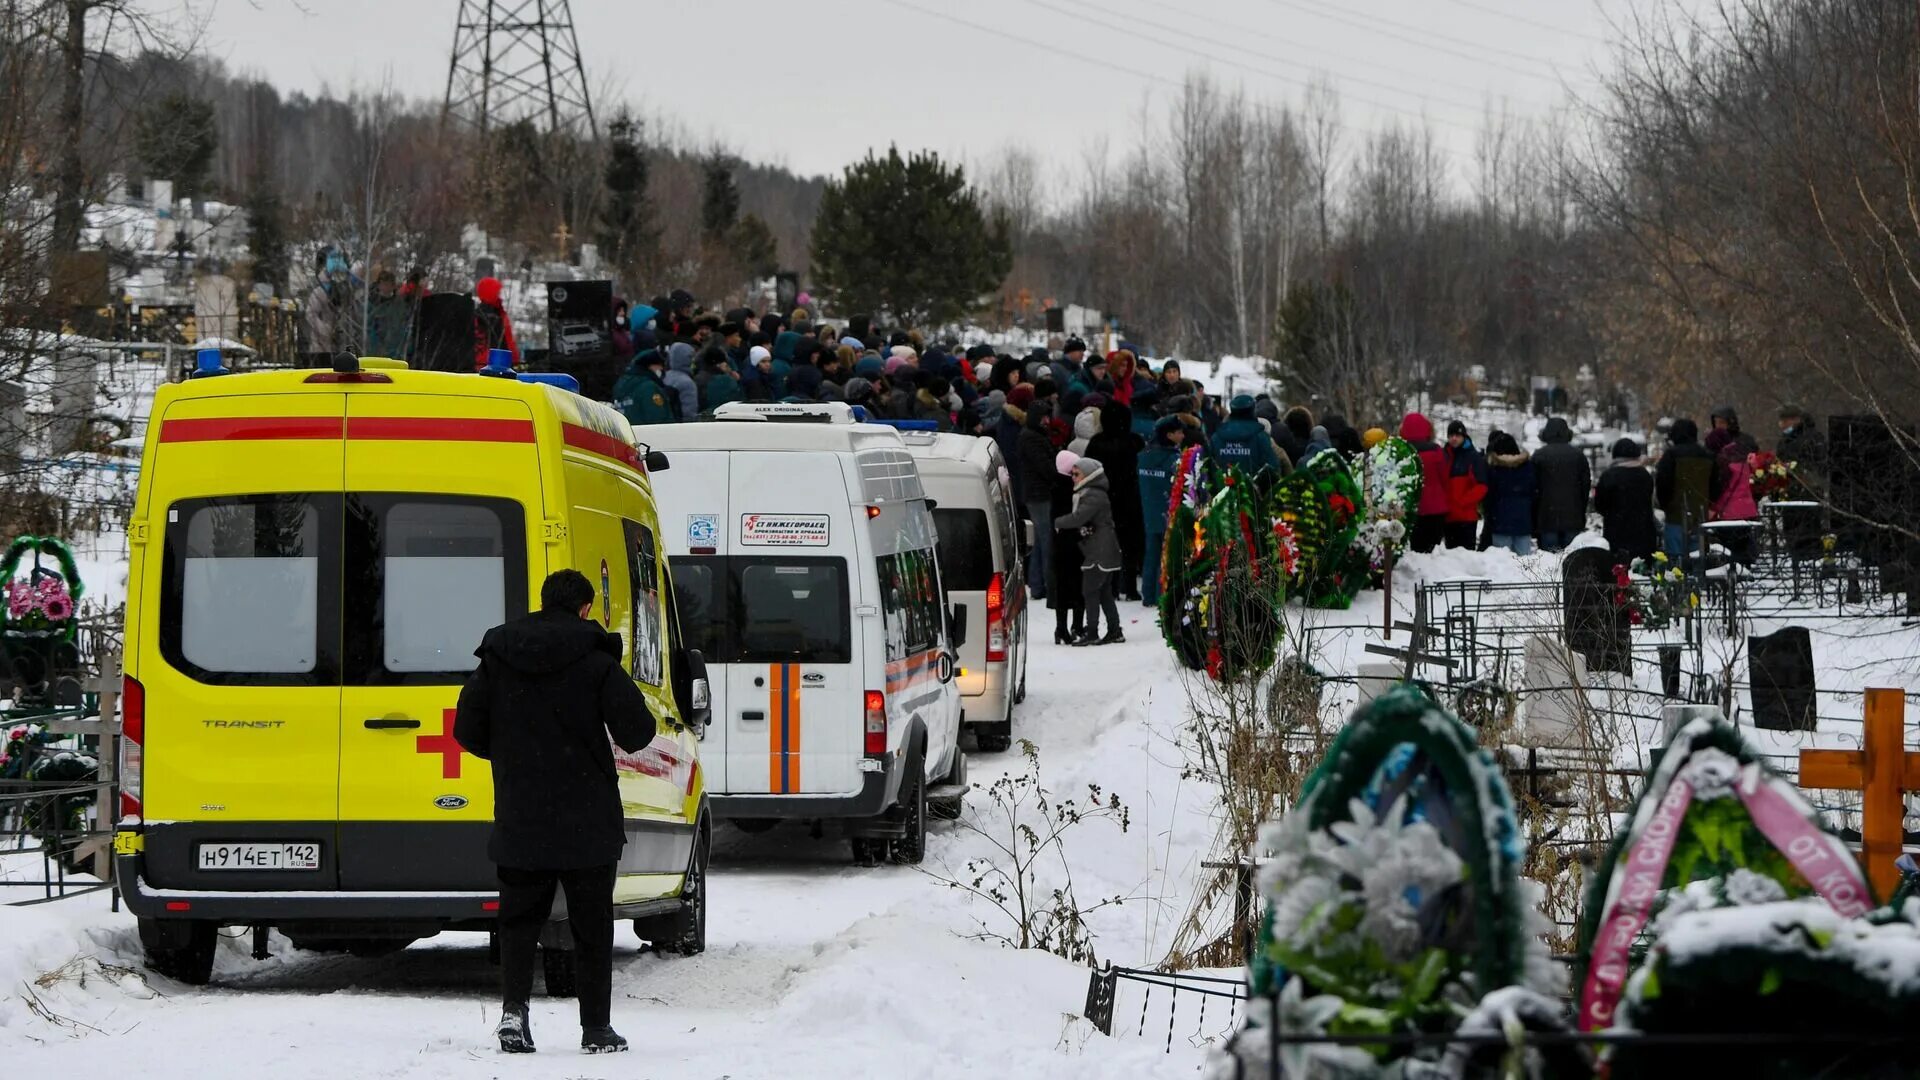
(1595, 626)
(1374, 679)
(443, 334)
(1552, 693)
(76, 385)
(1780, 668)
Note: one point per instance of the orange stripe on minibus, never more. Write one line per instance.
(793, 727)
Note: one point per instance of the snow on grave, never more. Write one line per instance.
(1727, 909)
(1394, 906)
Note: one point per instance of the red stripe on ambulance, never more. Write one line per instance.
(225, 428)
(439, 429)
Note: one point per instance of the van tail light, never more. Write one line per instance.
(876, 717)
(133, 738)
(996, 619)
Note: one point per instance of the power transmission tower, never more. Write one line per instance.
(517, 60)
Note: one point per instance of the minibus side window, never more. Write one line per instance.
(910, 602)
(643, 571)
(251, 589)
(427, 576)
(700, 591)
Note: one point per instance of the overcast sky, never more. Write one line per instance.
(813, 85)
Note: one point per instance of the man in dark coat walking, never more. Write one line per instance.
(548, 692)
(1687, 482)
(1037, 474)
(1562, 480)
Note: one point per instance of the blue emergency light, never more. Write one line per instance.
(207, 363)
(499, 364)
(911, 425)
(558, 379)
(859, 414)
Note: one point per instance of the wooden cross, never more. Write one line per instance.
(560, 236)
(1884, 771)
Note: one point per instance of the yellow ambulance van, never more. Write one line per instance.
(315, 556)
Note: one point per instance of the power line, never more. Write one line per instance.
(1329, 54)
(1389, 87)
(1218, 59)
(1426, 40)
(1056, 52)
(1491, 10)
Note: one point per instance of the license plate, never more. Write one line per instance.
(294, 856)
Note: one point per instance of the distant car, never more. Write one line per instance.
(576, 339)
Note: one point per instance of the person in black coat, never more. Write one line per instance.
(1067, 598)
(1562, 480)
(540, 706)
(1037, 482)
(1624, 498)
(1117, 449)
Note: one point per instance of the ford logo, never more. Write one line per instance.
(450, 802)
(814, 678)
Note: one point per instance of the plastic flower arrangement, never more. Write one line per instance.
(40, 604)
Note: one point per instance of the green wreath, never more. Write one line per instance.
(65, 628)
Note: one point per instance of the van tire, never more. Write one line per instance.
(684, 932)
(910, 849)
(190, 963)
(558, 967)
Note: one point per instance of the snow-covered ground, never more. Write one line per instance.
(814, 968)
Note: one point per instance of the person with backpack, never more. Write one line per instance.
(1687, 482)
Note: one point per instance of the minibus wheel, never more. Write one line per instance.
(911, 848)
(190, 961)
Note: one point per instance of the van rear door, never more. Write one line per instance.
(242, 719)
(442, 541)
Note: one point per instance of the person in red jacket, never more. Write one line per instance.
(1430, 524)
(1466, 487)
(491, 327)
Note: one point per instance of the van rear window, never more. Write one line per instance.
(320, 589)
(764, 609)
(966, 549)
(251, 590)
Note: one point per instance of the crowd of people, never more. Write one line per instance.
(1093, 442)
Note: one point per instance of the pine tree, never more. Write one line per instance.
(752, 243)
(627, 236)
(720, 199)
(175, 139)
(907, 237)
(267, 235)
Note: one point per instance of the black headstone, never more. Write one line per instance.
(1596, 627)
(1780, 666)
(443, 334)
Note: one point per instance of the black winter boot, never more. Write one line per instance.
(1114, 637)
(601, 1040)
(515, 1033)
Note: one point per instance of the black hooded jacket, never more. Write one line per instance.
(547, 693)
(1562, 480)
(1036, 457)
(1117, 449)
